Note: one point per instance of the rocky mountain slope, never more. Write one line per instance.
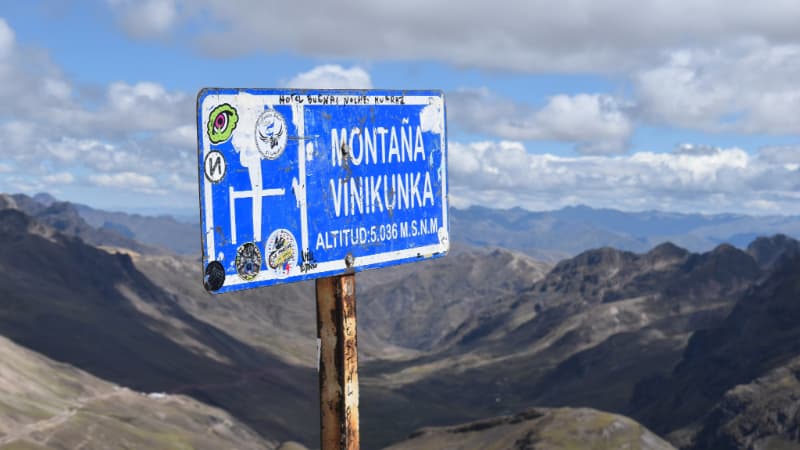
(715, 385)
(541, 429)
(422, 307)
(565, 340)
(93, 309)
(279, 321)
(707, 339)
(144, 321)
(44, 404)
(764, 413)
(769, 251)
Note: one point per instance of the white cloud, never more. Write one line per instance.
(596, 123)
(177, 182)
(781, 155)
(332, 76)
(7, 39)
(58, 178)
(183, 137)
(50, 103)
(143, 106)
(750, 86)
(57, 89)
(125, 97)
(707, 64)
(99, 156)
(141, 136)
(125, 180)
(504, 174)
(16, 184)
(531, 36)
(146, 19)
(128, 136)
(763, 205)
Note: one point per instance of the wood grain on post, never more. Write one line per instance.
(338, 362)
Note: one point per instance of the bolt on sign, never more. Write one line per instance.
(301, 184)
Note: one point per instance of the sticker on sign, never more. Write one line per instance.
(301, 184)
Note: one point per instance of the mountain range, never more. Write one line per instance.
(702, 348)
(554, 235)
(698, 346)
(548, 236)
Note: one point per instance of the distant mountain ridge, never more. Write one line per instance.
(545, 235)
(65, 218)
(143, 234)
(161, 231)
(553, 235)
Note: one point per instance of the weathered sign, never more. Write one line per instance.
(299, 184)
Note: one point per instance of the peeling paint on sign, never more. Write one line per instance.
(340, 180)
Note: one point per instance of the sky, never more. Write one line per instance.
(685, 106)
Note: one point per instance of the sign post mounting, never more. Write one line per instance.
(320, 184)
(338, 362)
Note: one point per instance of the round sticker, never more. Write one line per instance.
(215, 166)
(281, 252)
(221, 123)
(270, 134)
(248, 261)
(215, 276)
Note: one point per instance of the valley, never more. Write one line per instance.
(485, 334)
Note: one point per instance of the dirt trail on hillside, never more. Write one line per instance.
(27, 431)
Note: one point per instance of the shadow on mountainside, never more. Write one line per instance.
(81, 305)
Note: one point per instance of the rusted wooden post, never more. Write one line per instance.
(338, 362)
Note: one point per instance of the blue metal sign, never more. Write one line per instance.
(299, 184)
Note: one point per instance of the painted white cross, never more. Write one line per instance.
(257, 195)
(244, 143)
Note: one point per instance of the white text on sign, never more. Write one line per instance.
(377, 233)
(369, 194)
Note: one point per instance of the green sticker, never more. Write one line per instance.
(221, 123)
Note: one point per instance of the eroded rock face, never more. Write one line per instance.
(585, 334)
(421, 306)
(7, 202)
(759, 415)
(760, 337)
(541, 429)
(768, 251)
